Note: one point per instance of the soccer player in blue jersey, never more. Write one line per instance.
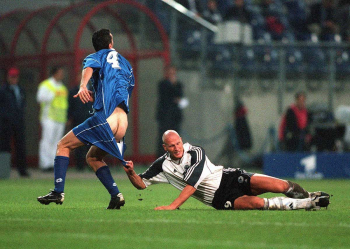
(113, 81)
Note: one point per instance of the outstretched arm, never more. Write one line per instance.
(133, 177)
(184, 195)
(84, 94)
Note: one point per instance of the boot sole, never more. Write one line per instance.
(120, 204)
(47, 202)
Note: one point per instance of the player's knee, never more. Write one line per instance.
(283, 186)
(93, 160)
(87, 159)
(61, 145)
(90, 160)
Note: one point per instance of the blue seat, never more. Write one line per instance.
(268, 61)
(315, 62)
(288, 37)
(223, 5)
(263, 37)
(192, 39)
(220, 58)
(276, 9)
(316, 67)
(297, 18)
(294, 63)
(296, 8)
(257, 22)
(191, 44)
(248, 66)
(342, 64)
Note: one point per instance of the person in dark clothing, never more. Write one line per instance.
(323, 19)
(343, 19)
(293, 132)
(12, 115)
(242, 127)
(169, 113)
(239, 137)
(77, 114)
(238, 12)
(212, 14)
(273, 20)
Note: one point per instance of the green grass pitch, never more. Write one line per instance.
(83, 222)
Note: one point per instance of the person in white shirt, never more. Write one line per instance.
(53, 98)
(188, 169)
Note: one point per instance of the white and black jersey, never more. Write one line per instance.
(194, 169)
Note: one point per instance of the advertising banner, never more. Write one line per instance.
(307, 165)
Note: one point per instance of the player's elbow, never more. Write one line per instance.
(139, 187)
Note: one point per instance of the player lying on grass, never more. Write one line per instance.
(188, 169)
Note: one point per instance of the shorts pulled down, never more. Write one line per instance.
(234, 184)
(96, 131)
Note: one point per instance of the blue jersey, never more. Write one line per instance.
(112, 80)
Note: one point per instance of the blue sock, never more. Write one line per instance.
(105, 176)
(60, 168)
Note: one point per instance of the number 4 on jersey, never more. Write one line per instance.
(112, 58)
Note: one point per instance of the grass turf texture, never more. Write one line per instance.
(83, 222)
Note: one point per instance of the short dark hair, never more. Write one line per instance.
(55, 69)
(101, 39)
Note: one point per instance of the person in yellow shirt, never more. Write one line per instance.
(53, 98)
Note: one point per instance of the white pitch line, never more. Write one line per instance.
(196, 222)
(178, 242)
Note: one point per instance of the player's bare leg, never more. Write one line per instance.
(297, 197)
(262, 184)
(64, 147)
(94, 158)
(248, 203)
(68, 143)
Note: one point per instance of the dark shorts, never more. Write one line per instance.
(234, 183)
